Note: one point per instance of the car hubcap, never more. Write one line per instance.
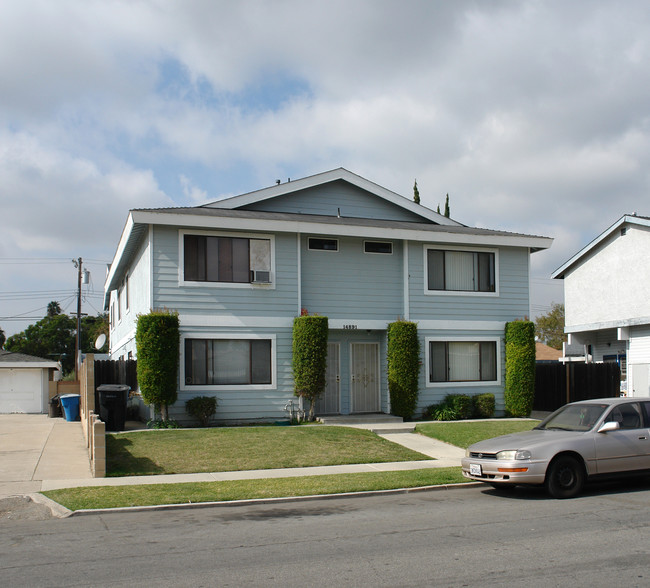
(566, 478)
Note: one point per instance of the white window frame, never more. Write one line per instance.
(392, 248)
(497, 281)
(217, 387)
(337, 250)
(239, 285)
(465, 383)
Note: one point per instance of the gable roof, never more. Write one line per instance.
(9, 359)
(433, 228)
(325, 178)
(631, 219)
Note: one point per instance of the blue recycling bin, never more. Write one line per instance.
(70, 404)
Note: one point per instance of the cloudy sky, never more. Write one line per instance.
(533, 116)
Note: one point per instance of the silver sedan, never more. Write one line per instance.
(607, 437)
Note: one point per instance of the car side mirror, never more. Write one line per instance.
(609, 426)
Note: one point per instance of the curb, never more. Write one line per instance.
(57, 509)
(254, 501)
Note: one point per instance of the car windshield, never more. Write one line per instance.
(573, 417)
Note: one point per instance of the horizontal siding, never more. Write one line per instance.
(281, 300)
(241, 405)
(639, 345)
(329, 199)
(352, 284)
(511, 303)
(435, 395)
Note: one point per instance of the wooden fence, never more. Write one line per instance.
(557, 384)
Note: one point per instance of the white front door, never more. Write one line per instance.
(364, 376)
(328, 403)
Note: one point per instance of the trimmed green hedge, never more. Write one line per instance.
(309, 357)
(519, 391)
(202, 408)
(403, 367)
(157, 339)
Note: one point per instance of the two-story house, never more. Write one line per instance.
(607, 313)
(239, 270)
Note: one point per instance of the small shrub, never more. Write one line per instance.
(519, 392)
(159, 424)
(202, 408)
(483, 406)
(454, 407)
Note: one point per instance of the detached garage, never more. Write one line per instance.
(24, 382)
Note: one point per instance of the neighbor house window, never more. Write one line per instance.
(461, 271)
(462, 361)
(231, 362)
(318, 244)
(385, 247)
(237, 260)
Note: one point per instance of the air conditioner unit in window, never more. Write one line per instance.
(260, 277)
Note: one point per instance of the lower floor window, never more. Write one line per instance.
(227, 361)
(462, 361)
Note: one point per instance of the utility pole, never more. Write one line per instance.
(78, 263)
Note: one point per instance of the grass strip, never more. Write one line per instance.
(185, 451)
(463, 434)
(156, 494)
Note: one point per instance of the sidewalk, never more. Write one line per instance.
(38, 453)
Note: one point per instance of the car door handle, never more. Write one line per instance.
(643, 437)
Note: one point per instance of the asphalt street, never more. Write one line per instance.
(460, 537)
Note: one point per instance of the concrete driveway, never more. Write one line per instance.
(34, 447)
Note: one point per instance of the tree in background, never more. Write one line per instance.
(549, 328)
(3, 338)
(53, 337)
(447, 206)
(416, 193)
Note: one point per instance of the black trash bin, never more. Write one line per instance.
(112, 405)
(55, 407)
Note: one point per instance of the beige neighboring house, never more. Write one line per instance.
(24, 382)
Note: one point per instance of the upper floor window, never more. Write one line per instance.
(237, 260)
(318, 244)
(461, 271)
(385, 247)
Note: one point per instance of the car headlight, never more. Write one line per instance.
(514, 454)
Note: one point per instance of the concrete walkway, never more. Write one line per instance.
(35, 448)
(38, 453)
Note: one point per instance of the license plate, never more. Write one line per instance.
(475, 469)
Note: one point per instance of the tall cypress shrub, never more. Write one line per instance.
(520, 368)
(403, 367)
(157, 339)
(309, 357)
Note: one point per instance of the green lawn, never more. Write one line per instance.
(183, 451)
(463, 434)
(244, 448)
(142, 495)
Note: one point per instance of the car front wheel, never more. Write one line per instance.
(565, 477)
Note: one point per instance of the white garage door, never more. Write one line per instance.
(20, 390)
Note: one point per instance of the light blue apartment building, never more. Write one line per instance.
(239, 270)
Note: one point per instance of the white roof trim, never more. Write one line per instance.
(30, 365)
(302, 226)
(126, 233)
(628, 218)
(326, 177)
